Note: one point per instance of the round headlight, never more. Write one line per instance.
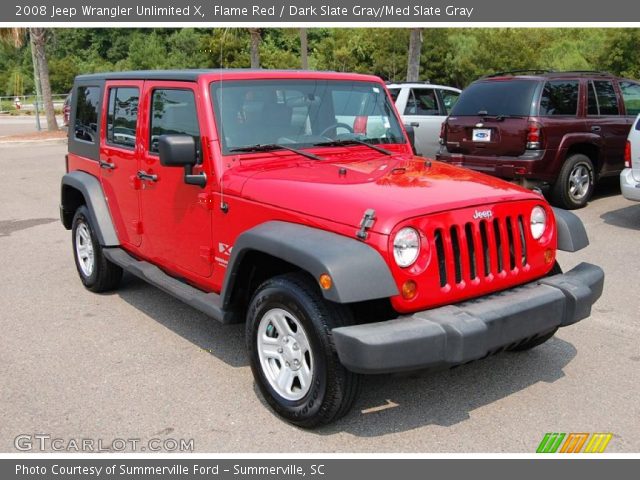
(406, 246)
(538, 222)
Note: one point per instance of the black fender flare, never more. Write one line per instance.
(358, 271)
(572, 235)
(90, 188)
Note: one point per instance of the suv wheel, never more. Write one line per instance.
(292, 355)
(575, 183)
(96, 272)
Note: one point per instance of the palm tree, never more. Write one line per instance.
(38, 38)
(304, 49)
(256, 38)
(15, 36)
(415, 49)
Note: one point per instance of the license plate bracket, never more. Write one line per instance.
(482, 135)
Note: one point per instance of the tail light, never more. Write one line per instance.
(627, 154)
(534, 136)
(443, 133)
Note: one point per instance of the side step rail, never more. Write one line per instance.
(208, 303)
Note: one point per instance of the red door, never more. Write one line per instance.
(176, 225)
(119, 157)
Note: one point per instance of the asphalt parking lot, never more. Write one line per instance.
(137, 363)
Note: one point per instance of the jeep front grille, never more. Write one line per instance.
(476, 251)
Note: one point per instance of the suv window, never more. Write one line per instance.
(449, 99)
(422, 101)
(173, 112)
(497, 97)
(592, 100)
(607, 99)
(394, 92)
(560, 97)
(631, 97)
(122, 116)
(86, 125)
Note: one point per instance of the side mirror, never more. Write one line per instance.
(180, 151)
(411, 133)
(177, 150)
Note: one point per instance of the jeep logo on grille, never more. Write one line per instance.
(482, 214)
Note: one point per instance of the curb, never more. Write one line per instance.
(43, 140)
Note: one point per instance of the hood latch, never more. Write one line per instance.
(368, 219)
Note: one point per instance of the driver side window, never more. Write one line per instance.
(173, 112)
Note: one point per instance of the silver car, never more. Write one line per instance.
(630, 176)
(424, 107)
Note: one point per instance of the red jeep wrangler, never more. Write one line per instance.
(292, 201)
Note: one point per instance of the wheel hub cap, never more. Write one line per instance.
(285, 354)
(84, 249)
(579, 181)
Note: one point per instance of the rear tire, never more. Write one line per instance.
(575, 183)
(96, 272)
(292, 354)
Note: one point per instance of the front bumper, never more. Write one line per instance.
(629, 186)
(471, 330)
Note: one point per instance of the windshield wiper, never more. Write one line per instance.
(269, 147)
(352, 141)
(499, 117)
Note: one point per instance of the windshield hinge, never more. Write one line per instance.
(366, 223)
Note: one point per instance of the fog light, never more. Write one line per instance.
(548, 255)
(325, 281)
(409, 289)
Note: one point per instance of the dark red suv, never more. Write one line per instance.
(557, 130)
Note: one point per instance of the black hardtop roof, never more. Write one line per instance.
(191, 75)
(186, 75)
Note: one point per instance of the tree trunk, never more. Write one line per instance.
(304, 49)
(415, 49)
(38, 35)
(255, 47)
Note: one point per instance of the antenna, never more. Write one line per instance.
(223, 205)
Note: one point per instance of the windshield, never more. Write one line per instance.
(512, 97)
(301, 113)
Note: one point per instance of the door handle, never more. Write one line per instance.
(142, 175)
(414, 124)
(596, 128)
(107, 165)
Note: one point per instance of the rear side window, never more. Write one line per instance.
(449, 99)
(422, 101)
(394, 92)
(496, 97)
(559, 97)
(173, 112)
(592, 100)
(631, 97)
(86, 124)
(607, 99)
(122, 116)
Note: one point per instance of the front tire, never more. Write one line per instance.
(96, 272)
(292, 355)
(575, 183)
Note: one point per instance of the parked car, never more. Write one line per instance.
(559, 131)
(424, 107)
(630, 176)
(66, 110)
(264, 197)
